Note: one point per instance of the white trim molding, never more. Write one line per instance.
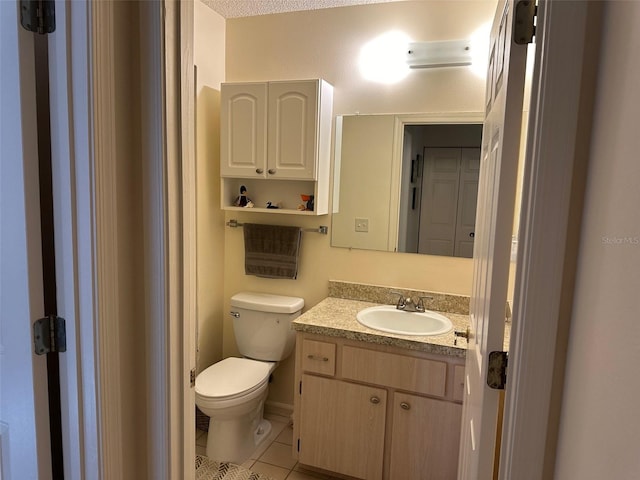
(188, 319)
(173, 216)
(72, 159)
(401, 120)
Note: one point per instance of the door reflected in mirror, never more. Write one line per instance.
(407, 183)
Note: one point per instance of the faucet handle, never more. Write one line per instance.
(420, 304)
(401, 300)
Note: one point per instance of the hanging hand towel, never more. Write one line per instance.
(271, 250)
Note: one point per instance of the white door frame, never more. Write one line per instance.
(560, 119)
(176, 217)
(83, 151)
(402, 120)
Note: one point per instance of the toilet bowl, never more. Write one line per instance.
(232, 392)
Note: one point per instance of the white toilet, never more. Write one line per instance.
(232, 392)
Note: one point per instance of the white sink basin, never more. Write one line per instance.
(388, 318)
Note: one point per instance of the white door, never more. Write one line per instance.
(439, 187)
(496, 199)
(467, 201)
(24, 411)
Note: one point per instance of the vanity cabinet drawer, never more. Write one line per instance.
(397, 371)
(319, 357)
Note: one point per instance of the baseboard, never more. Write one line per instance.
(277, 408)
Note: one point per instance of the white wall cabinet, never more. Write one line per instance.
(275, 140)
(376, 412)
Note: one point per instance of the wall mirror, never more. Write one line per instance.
(407, 183)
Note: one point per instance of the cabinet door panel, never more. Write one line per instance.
(342, 427)
(243, 130)
(425, 438)
(292, 132)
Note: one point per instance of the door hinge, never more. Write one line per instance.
(497, 370)
(298, 444)
(50, 335)
(524, 28)
(300, 387)
(38, 15)
(192, 377)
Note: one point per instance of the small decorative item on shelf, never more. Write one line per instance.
(272, 206)
(308, 205)
(243, 199)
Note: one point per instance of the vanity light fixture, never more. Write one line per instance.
(449, 53)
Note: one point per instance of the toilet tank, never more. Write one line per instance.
(262, 324)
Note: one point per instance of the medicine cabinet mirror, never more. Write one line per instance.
(407, 183)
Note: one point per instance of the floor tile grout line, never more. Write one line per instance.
(253, 461)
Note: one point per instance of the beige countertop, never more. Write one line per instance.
(336, 317)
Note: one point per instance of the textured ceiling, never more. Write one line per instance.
(250, 8)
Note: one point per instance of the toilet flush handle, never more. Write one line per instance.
(235, 314)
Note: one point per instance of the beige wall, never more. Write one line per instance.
(325, 44)
(209, 57)
(600, 426)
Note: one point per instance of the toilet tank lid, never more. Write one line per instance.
(267, 302)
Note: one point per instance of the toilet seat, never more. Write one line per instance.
(233, 378)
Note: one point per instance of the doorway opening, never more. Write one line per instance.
(439, 189)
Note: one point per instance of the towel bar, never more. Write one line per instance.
(323, 229)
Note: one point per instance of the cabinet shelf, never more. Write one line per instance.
(285, 211)
(284, 193)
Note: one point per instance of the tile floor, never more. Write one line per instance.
(273, 458)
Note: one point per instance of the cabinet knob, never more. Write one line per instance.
(271, 171)
(405, 406)
(375, 400)
(259, 171)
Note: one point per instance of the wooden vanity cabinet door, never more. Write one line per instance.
(342, 427)
(425, 438)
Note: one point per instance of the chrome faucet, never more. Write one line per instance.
(408, 304)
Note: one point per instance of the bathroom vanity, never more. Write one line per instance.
(376, 405)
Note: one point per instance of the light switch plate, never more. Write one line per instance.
(362, 224)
